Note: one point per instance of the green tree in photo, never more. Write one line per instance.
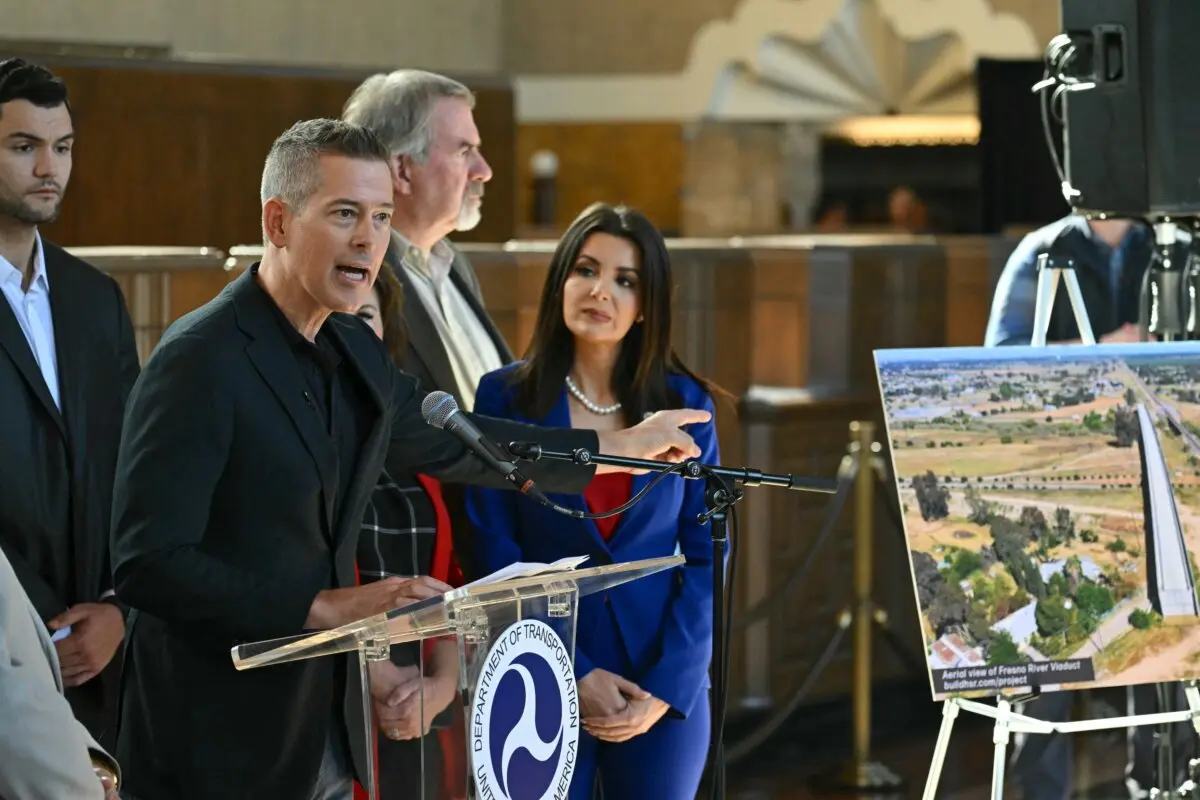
(980, 510)
(1142, 619)
(1034, 522)
(932, 498)
(965, 563)
(1125, 426)
(1052, 616)
(949, 608)
(1064, 526)
(1003, 650)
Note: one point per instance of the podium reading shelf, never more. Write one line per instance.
(516, 648)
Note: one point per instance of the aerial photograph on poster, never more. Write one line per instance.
(1051, 505)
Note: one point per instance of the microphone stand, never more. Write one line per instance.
(719, 498)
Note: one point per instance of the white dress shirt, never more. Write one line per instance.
(32, 309)
(468, 344)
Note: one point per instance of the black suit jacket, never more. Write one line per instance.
(222, 534)
(425, 358)
(56, 468)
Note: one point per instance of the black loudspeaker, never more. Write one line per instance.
(1130, 142)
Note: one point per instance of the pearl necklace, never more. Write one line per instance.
(578, 394)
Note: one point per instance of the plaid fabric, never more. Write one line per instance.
(399, 530)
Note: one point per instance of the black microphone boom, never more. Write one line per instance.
(531, 451)
(441, 411)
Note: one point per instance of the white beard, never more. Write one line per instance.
(469, 215)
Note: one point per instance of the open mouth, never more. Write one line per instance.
(356, 274)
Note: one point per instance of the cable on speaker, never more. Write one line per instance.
(1060, 57)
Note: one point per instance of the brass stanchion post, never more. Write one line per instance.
(864, 495)
(861, 775)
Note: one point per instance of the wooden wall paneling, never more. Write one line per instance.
(968, 289)
(809, 438)
(638, 164)
(865, 298)
(782, 336)
(712, 307)
(172, 156)
(501, 294)
(511, 281)
(192, 288)
(159, 284)
(712, 301)
(532, 271)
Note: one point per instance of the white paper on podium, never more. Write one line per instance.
(522, 569)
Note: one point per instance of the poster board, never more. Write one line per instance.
(1051, 507)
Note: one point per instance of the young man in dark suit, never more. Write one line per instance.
(67, 363)
(256, 433)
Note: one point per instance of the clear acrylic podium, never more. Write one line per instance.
(518, 702)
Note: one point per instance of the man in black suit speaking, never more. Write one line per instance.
(253, 438)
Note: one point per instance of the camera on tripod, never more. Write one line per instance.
(1121, 79)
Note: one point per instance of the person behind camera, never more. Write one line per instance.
(601, 357)
(1110, 258)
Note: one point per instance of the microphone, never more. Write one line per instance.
(441, 411)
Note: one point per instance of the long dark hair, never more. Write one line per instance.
(640, 375)
(391, 312)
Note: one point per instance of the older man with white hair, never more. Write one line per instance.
(438, 176)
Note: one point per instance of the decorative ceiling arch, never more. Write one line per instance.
(798, 60)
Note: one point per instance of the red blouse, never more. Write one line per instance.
(605, 493)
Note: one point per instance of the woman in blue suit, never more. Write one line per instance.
(601, 358)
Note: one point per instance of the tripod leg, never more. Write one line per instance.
(1047, 288)
(1000, 738)
(1081, 318)
(949, 714)
(1191, 690)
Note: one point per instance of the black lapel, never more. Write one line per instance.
(481, 314)
(73, 335)
(272, 357)
(423, 336)
(364, 479)
(14, 343)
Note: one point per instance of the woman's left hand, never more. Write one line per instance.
(634, 720)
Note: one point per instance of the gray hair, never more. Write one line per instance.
(292, 172)
(398, 106)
